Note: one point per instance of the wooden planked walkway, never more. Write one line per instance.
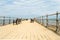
(27, 31)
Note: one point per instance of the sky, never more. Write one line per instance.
(28, 8)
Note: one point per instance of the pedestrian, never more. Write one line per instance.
(17, 21)
(14, 22)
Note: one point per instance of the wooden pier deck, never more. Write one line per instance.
(27, 31)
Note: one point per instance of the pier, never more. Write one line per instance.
(39, 28)
(27, 31)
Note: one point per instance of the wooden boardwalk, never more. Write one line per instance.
(27, 31)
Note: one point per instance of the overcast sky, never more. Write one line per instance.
(28, 8)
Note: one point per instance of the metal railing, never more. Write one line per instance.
(5, 20)
(50, 21)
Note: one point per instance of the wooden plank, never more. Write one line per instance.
(27, 31)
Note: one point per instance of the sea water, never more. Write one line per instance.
(50, 21)
(6, 21)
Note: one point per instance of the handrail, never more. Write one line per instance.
(45, 21)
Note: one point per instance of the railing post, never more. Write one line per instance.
(3, 20)
(42, 20)
(9, 20)
(46, 20)
(57, 23)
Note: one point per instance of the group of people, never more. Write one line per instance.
(32, 21)
(17, 21)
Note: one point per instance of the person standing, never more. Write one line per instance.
(17, 21)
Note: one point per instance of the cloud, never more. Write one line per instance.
(29, 7)
(56, 0)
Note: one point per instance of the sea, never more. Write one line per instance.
(50, 21)
(6, 21)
